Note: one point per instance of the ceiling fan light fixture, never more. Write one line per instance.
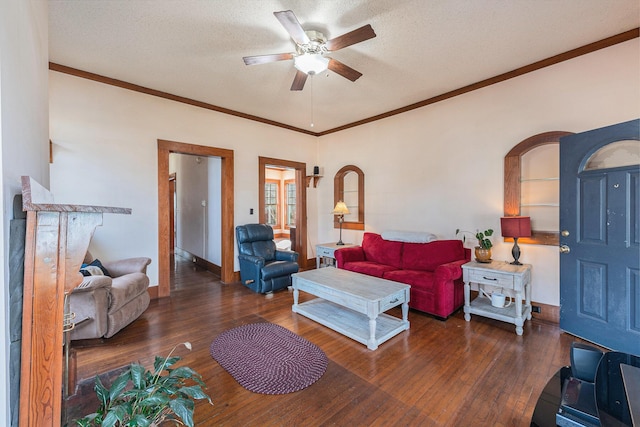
(311, 63)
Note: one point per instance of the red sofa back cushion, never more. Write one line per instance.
(428, 256)
(382, 251)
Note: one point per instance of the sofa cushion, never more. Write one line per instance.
(368, 267)
(428, 256)
(127, 287)
(422, 279)
(376, 249)
(126, 314)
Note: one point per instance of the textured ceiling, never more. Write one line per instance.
(194, 48)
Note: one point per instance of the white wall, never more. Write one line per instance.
(440, 167)
(214, 211)
(191, 190)
(437, 168)
(105, 153)
(23, 134)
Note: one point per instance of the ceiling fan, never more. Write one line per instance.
(311, 48)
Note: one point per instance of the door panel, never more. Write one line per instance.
(599, 284)
(593, 207)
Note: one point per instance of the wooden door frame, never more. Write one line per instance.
(301, 200)
(227, 195)
(172, 213)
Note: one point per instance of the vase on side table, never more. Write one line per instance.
(483, 254)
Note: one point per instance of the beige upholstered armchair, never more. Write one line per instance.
(104, 304)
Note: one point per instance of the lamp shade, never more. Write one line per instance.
(340, 209)
(515, 226)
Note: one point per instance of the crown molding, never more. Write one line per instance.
(556, 59)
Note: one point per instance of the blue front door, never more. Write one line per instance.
(600, 236)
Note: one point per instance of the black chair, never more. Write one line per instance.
(263, 268)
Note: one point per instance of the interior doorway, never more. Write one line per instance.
(299, 242)
(197, 205)
(164, 210)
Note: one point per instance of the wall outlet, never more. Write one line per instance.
(535, 308)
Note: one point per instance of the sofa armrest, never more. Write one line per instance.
(90, 283)
(250, 266)
(126, 266)
(286, 256)
(450, 271)
(350, 254)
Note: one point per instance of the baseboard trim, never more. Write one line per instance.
(207, 265)
(153, 292)
(548, 313)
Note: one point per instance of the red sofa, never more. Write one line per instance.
(434, 269)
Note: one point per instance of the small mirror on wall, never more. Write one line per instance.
(349, 188)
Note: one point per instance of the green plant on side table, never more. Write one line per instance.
(139, 397)
(483, 250)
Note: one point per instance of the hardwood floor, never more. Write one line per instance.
(451, 373)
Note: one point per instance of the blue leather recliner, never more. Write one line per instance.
(263, 268)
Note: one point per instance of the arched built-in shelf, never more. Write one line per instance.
(513, 183)
(348, 186)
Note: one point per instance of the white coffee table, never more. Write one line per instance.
(353, 304)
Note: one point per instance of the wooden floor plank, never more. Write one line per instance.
(451, 373)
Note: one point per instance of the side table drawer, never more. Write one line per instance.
(391, 301)
(494, 278)
(322, 251)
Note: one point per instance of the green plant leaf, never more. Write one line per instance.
(111, 419)
(155, 400)
(158, 364)
(161, 363)
(101, 392)
(137, 376)
(141, 421)
(118, 385)
(195, 392)
(181, 408)
(87, 421)
(184, 372)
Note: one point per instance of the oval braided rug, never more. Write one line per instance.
(269, 359)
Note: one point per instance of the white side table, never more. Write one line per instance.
(325, 251)
(511, 280)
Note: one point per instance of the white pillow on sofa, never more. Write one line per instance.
(409, 236)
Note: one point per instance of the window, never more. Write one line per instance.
(290, 197)
(271, 200)
(616, 154)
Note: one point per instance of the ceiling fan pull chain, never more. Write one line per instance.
(312, 100)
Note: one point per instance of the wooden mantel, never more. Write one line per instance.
(57, 238)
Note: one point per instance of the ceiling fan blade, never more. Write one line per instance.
(344, 70)
(263, 59)
(299, 80)
(356, 36)
(290, 23)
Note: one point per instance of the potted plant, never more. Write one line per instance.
(140, 397)
(483, 250)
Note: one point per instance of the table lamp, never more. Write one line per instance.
(340, 210)
(515, 226)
